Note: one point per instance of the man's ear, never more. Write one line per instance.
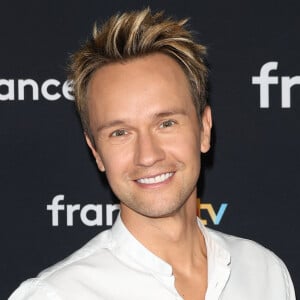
(95, 153)
(206, 120)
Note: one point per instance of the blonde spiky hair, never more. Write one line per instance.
(135, 34)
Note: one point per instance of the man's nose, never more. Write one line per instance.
(148, 149)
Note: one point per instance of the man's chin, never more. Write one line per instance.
(153, 211)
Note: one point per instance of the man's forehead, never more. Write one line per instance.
(145, 87)
(152, 65)
(138, 81)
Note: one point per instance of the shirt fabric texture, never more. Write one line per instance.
(115, 266)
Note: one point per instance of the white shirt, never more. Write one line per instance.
(115, 266)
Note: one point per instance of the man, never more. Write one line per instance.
(140, 90)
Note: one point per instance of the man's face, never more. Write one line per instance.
(147, 134)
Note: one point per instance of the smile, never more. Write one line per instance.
(156, 179)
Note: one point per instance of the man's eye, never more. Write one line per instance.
(119, 132)
(168, 123)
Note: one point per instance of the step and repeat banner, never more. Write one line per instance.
(53, 199)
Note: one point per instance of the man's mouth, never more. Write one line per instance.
(156, 179)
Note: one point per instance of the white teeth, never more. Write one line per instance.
(156, 179)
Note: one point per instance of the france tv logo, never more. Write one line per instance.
(104, 214)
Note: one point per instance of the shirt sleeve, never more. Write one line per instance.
(290, 291)
(34, 289)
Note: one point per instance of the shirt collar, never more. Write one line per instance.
(218, 262)
(129, 249)
(217, 254)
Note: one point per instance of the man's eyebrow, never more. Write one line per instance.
(110, 124)
(120, 122)
(169, 113)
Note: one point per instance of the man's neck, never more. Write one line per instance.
(176, 239)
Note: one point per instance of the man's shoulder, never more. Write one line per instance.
(93, 256)
(253, 267)
(239, 247)
(97, 247)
